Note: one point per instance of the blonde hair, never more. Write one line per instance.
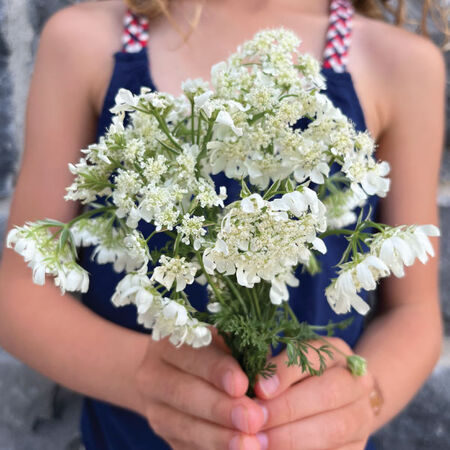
(376, 9)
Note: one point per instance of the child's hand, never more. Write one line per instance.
(331, 411)
(195, 398)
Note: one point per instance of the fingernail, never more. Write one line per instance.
(240, 443)
(269, 385)
(235, 443)
(264, 410)
(239, 418)
(228, 382)
(263, 440)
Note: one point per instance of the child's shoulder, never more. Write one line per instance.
(87, 34)
(89, 24)
(397, 64)
(393, 49)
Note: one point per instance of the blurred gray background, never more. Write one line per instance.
(34, 413)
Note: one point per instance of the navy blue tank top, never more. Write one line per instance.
(107, 427)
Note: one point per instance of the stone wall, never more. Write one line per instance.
(34, 414)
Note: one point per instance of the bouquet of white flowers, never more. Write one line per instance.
(156, 163)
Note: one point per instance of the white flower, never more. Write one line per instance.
(125, 101)
(258, 241)
(155, 168)
(395, 252)
(278, 290)
(41, 251)
(83, 235)
(161, 204)
(195, 86)
(174, 270)
(299, 202)
(420, 243)
(252, 203)
(158, 100)
(176, 312)
(399, 246)
(340, 206)
(173, 320)
(105, 255)
(316, 174)
(39, 270)
(207, 196)
(368, 173)
(200, 100)
(214, 307)
(342, 294)
(137, 288)
(369, 270)
(192, 228)
(72, 278)
(137, 249)
(199, 335)
(165, 316)
(224, 118)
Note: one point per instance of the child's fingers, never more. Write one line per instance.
(193, 396)
(335, 429)
(336, 388)
(285, 376)
(211, 364)
(189, 432)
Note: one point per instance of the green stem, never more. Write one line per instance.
(150, 236)
(90, 213)
(236, 292)
(208, 135)
(273, 312)
(163, 127)
(291, 313)
(199, 129)
(335, 232)
(370, 224)
(192, 123)
(176, 245)
(354, 248)
(168, 147)
(210, 281)
(250, 301)
(256, 302)
(336, 349)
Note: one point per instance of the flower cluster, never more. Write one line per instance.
(340, 206)
(265, 240)
(174, 270)
(125, 250)
(304, 169)
(166, 317)
(44, 256)
(389, 251)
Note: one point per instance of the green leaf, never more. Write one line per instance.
(272, 190)
(51, 222)
(290, 185)
(245, 191)
(313, 265)
(63, 238)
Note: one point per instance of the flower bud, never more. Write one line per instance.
(356, 365)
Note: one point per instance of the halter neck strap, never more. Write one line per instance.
(135, 32)
(338, 35)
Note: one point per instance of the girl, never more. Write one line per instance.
(384, 78)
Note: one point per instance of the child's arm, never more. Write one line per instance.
(403, 343)
(187, 395)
